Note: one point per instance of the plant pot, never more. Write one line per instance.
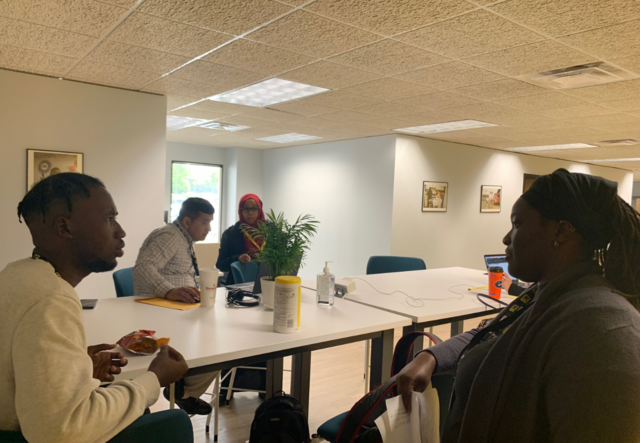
(268, 291)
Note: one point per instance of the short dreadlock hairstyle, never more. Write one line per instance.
(62, 187)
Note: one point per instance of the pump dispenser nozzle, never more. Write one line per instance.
(326, 267)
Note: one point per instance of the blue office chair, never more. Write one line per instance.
(382, 264)
(123, 279)
(244, 272)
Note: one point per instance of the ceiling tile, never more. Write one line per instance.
(348, 117)
(135, 57)
(388, 89)
(429, 117)
(631, 63)
(245, 121)
(167, 36)
(607, 122)
(175, 86)
(389, 17)
(80, 16)
(315, 122)
(388, 57)
(582, 110)
(340, 100)
(611, 42)
(465, 137)
(122, 3)
(329, 75)
(604, 93)
(575, 131)
(560, 17)
(500, 89)
(548, 100)
(220, 75)
(389, 109)
(358, 129)
(33, 61)
(531, 58)
(470, 34)
(225, 108)
(293, 2)
(256, 57)
(312, 35)
(44, 39)
(111, 75)
(300, 107)
(492, 113)
(388, 124)
(630, 104)
(450, 75)
(189, 111)
(438, 100)
(270, 115)
(504, 132)
(230, 16)
(176, 101)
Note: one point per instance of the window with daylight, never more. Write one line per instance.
(197, 180)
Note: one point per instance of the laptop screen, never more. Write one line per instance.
(498, 260)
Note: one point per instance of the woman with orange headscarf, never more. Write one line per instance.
(235, 245)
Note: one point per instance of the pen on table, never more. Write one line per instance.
(477, 287)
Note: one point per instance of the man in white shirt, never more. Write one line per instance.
(50, 383)
(166, 267)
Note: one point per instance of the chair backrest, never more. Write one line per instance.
(123, 279)
(244, 272)
(382, 264)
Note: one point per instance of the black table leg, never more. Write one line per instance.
(274, 376)
(301, 378)
(381, 358)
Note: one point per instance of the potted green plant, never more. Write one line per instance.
(284, 247)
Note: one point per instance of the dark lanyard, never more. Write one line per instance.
(505, 318)
(35, 256)
(194, 260)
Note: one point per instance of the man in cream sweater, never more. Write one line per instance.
(50, 392)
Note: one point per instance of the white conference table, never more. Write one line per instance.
(446, 288)
(212, 339)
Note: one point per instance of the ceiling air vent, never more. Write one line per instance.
(580, 76)
(218, 126)
(623, 142)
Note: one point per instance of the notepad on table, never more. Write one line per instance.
(164, 303)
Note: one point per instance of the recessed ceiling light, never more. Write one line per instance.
(268, 92)
(175, 122)
(289, 138)
(445, 127)
(608, 160)
(218, 126)
(552, 147)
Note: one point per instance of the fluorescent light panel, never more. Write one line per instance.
(175, 122)
(223, 126)
(289, 138)
(610, 160)
(445, 127)
(268, 92)
(551, 147)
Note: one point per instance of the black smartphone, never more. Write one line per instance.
(89, 303)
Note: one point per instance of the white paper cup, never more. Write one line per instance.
(208, 287)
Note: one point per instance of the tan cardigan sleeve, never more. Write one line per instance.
(57, 400)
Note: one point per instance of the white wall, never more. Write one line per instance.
(122, 135)
(348, 187)
(244, 176)
(462, 235)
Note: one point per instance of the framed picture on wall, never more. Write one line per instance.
(434, 196)
(42, 164)
(490, 198)
(527, 180)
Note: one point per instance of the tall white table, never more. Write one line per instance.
(212, 339)
(444, 293)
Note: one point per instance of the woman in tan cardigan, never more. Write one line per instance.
(562, 362)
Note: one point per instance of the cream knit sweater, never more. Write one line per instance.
(46, 385)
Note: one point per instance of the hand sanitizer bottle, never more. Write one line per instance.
(325, 290)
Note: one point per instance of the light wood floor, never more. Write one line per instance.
(337, 382)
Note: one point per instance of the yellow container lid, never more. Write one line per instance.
(288, 280)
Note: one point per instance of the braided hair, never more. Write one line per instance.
(62, 187)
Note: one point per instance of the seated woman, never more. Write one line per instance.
(562, 362)
(235, 245)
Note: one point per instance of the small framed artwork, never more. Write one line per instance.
(527, 180)
(434, 196)
(42, 164)
(490, 198)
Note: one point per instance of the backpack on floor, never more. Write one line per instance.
(359, 426)
(280, 419)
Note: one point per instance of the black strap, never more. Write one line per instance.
(241, 298)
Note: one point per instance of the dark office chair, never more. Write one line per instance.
(244, 272)
(123, 279)
(382, 264)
